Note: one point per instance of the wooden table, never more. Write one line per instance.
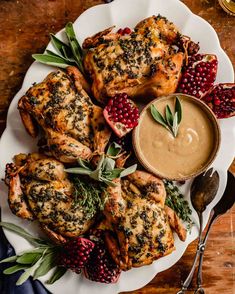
(24, 29)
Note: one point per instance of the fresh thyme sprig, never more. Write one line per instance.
(171, 120)
(175, 200)
(91, 197)
(67, 54)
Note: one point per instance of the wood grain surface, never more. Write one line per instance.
(24, 29)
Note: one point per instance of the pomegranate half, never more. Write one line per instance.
(121, 114)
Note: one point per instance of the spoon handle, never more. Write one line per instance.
(202, 250)
(189, 278)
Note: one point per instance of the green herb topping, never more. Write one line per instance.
(170, 121)
(175, 200)
(36, 262)
(90, 197)
(105, 171)
(67, 54)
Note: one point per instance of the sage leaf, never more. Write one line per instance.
(58, 44)
(21, 232)
(158, 117)
(108, 164)
(115, 173)
(67, 55)
(28, 258)
(49, 52)
(50, 60)
(114, 149)
(9, 259)
(58, 273)
(78, 170)
(29, 272)
(95, 175)
(171, 121)
(83, 163)
(75, 46)
(72, 37)
(178, 109)
(100, 162)
(175, 125)
(26, 274)
(76, 55)
(36, 250)
(14, 269)
(169, 116)
(108, 182)
(49, 261)
(127, 171)
(66, 60)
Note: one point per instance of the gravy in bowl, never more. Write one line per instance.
(187, 154)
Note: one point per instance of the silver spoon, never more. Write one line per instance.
(203, 191)
(225, 203)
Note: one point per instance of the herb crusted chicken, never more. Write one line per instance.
(136, 211)
(144, 63)
(39, 189)
(73, 126)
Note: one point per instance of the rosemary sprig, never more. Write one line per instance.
(105, 171)
(36, 262)
(67, 54)
(171, 120)
(175, 200)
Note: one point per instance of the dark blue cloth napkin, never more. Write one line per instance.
(7, 282)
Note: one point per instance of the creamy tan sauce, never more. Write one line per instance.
(180, 156)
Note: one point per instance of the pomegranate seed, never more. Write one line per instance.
(120, 32)
(110, 103)
(127, 31)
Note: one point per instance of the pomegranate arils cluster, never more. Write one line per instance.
(101, 267)
(76, 254)
(199, 75)
(221, 99)
(125, 31)
(121, 114)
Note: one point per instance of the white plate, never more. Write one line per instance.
(14, 140)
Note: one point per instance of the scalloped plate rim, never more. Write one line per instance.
(27, 78)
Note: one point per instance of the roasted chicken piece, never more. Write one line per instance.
(144, 63)
(40, 190)
(74, 127)
(135, 209)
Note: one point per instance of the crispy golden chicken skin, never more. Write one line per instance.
(135, 209)
(144, 63)
(40, 190)
(74, 127)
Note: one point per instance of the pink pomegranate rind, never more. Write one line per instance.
(121, 114)
(199, 75)
(221, 99)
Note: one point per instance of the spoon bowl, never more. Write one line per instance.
(204, 189)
